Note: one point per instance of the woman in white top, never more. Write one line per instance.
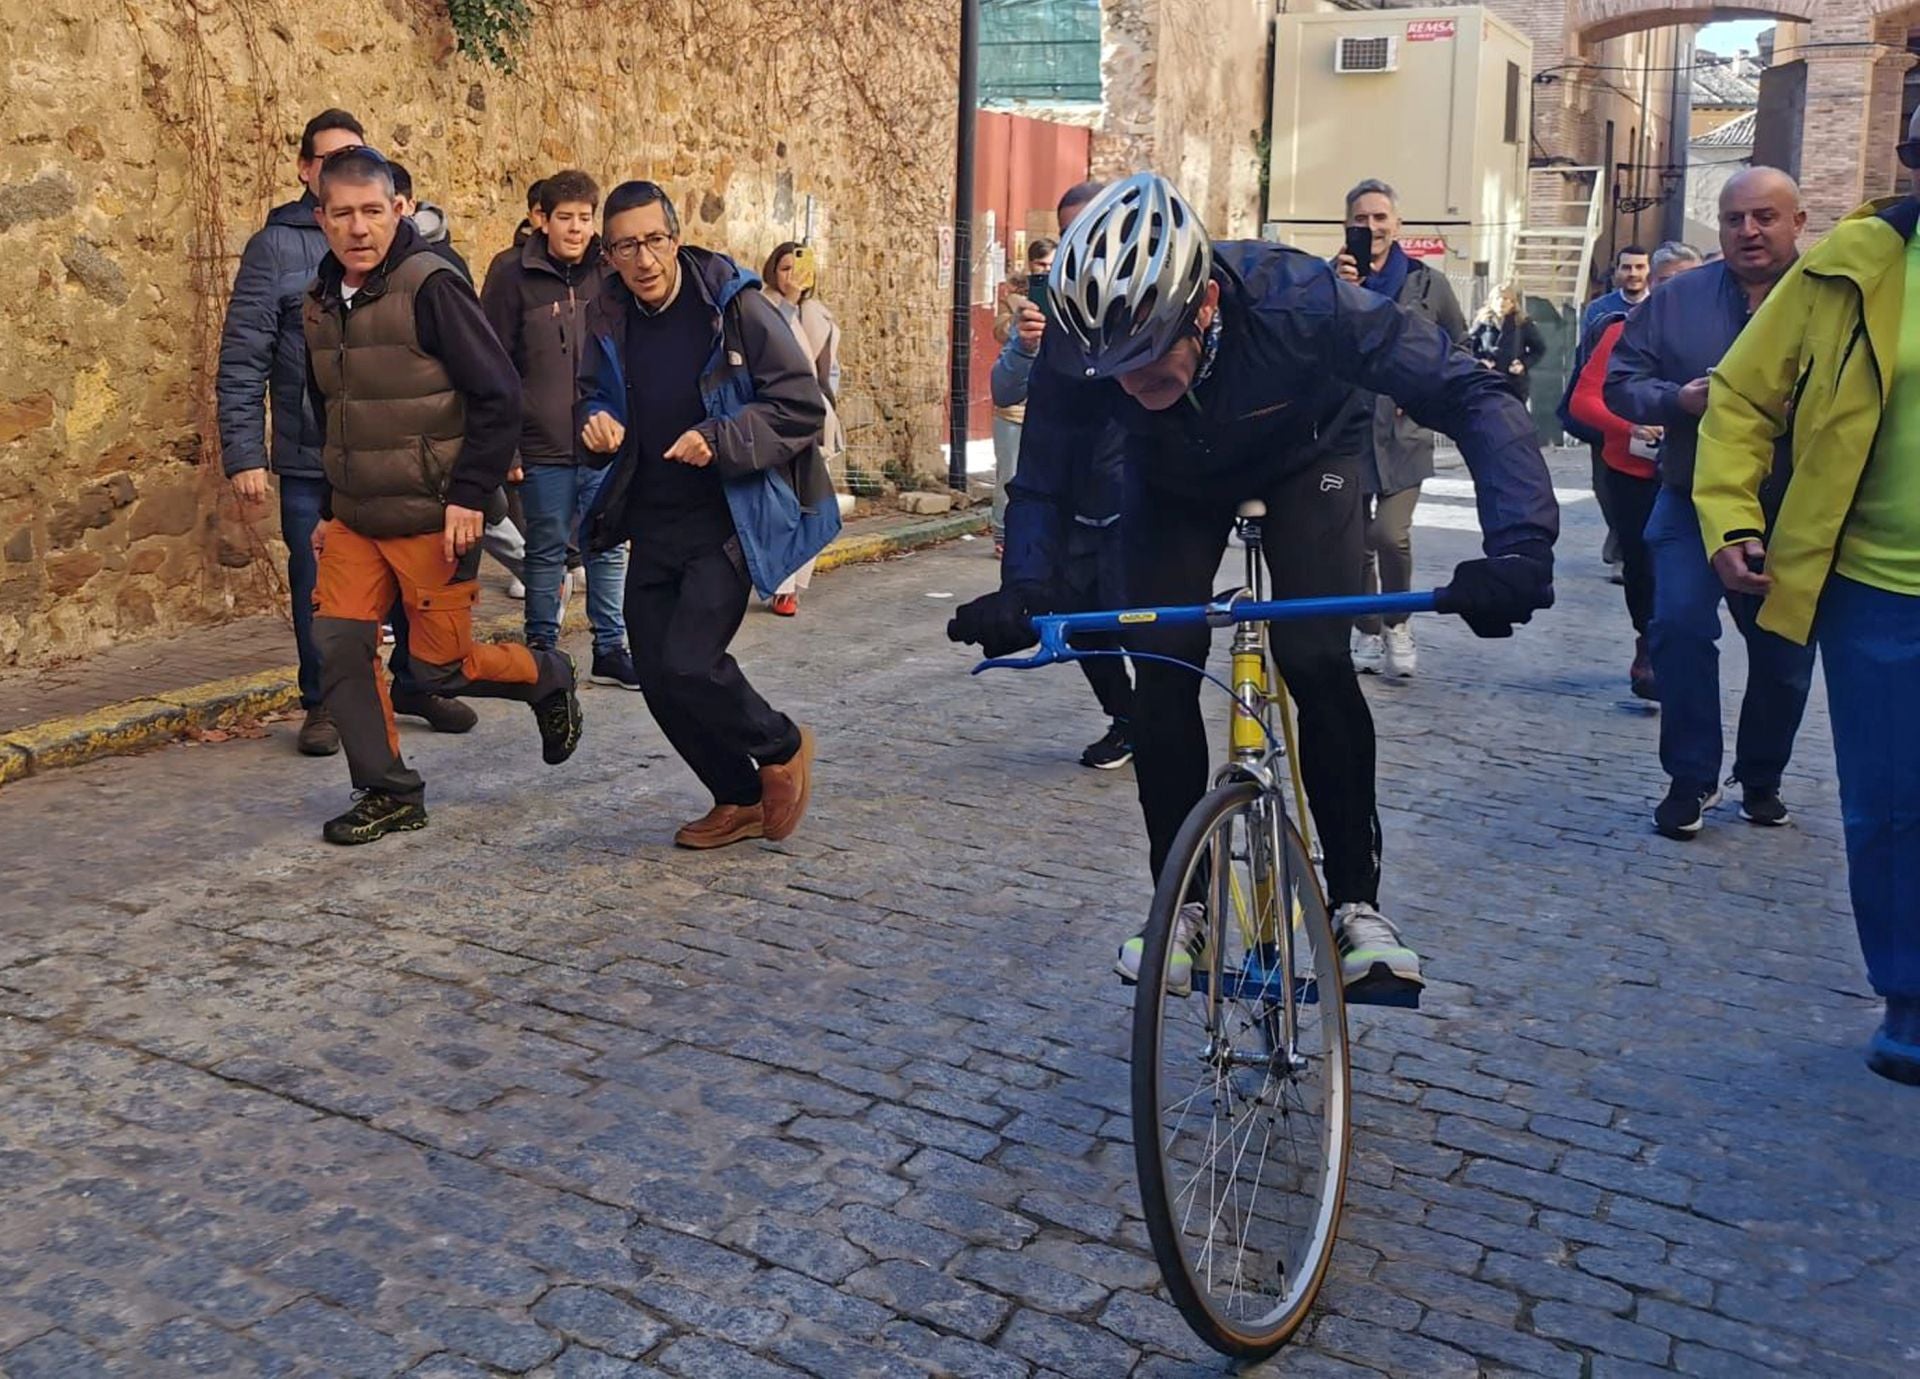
(788, 282)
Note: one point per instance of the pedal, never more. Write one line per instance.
(1381, 988)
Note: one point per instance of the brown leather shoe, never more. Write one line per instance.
(784, 790)
(723, 824)
(318, 737)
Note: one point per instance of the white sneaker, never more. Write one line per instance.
(1368, 941)
(1400, 655)
(1369, 653)
(1189, 942)
(516, 590)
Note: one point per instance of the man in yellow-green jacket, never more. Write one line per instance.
(1834, 356)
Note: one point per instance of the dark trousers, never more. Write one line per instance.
(1630, 504)
(1684, 638)
(1314, 542)
(300, 501)
(683, 607)
(1603, 496)
(1095, 582)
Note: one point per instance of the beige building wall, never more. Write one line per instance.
(1460, 180)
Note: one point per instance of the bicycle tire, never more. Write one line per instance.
(1169, 1227)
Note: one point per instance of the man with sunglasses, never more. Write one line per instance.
(419, 410)
(1833, 364)
(712, 413)
(1658, 377)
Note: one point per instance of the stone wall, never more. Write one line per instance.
(141, 146)
(1186, 95)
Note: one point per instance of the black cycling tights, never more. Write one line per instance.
(1313, 537)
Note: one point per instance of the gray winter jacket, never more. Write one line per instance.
(263, 354)
(1399, 448)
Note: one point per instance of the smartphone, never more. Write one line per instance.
(1036, 292)
(1360, 246)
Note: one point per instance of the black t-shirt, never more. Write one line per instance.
(665, 354)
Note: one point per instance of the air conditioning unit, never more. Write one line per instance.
(1357, 54)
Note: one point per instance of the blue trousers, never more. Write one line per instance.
(1870, 641)
(555, 497)
(1684, 640)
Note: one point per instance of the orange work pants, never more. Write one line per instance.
(359, 577)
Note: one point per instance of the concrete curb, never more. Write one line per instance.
(139, 724)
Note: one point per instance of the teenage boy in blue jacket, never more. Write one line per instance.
(700, 392)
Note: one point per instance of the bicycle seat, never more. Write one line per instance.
(1253, 507)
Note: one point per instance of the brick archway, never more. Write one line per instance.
(1594, 20)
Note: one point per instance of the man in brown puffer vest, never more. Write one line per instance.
(421, 409)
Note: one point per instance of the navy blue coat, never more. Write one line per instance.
(263, 351)
(1675, 336)
(764, 414)
(1296, 343)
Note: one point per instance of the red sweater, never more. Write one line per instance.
(1589, 407)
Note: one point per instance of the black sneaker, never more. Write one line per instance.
(1681, 813)
(615, 668)
(1763, 807)
(1111, 752)
(374, 815)
(559, 718)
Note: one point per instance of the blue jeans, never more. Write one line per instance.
(556, 497)
(1870, 640)
(1684, 641)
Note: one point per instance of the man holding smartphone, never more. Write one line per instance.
(1392, 452)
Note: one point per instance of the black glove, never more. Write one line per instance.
(999, 623)
(1493, 594)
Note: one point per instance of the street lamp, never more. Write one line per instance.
(962, 350)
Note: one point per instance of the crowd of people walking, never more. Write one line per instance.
(614, 383)
(616, 401)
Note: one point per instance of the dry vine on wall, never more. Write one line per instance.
(179, 83)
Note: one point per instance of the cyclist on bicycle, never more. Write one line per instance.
(1232, 368)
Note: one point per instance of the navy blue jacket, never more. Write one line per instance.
(764, 414)
(1675, 336)
(1296, 344)
(263, 351)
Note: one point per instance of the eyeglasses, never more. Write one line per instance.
(659, 247)
(1909, 152)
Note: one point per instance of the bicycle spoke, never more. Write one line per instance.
(1247, 1128)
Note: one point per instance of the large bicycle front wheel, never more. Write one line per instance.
(1241, 1087)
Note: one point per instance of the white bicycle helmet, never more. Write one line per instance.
(1129, 275)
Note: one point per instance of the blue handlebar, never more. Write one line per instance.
(1055, 628)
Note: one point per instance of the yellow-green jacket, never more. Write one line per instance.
(1818, 356)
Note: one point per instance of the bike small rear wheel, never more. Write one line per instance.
(1241, 1130)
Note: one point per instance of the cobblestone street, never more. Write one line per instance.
(531, 1092)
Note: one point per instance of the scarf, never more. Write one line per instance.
(1390, 276)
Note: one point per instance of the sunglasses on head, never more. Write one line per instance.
(365, 152)
(1909, 152)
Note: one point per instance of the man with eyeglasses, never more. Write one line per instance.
(1658, 377)
(1832, 363)
(419, 410)
(712, 413)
